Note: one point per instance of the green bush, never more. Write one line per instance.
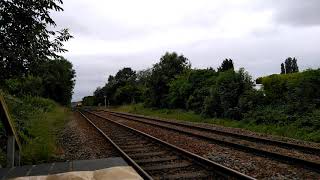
(268, 115)
(42, 104)
(299, 90)
(310, 121)
(196, 100)
(251, 99)
(212, 105)
(29, 85)
(225, 94)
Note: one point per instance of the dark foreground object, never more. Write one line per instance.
(61, 167)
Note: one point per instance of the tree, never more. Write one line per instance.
(53, 79)
(25, 39)
(170, 65)
(119, 89)
(283, 71)
(226, 65)
(126, 94)
(223, 100)
(288, 65)
(144, 76)
(295, 67)
(125, 75)
(122, 88)
(189, 89)
(88, 101)
(291, 65)
(99, 94)
(179, 91)
(58, 80)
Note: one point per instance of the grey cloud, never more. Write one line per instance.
(297, 12)
(97, 28)
(85, 22)
(258, 55)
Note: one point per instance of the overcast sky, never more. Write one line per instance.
(257, 34)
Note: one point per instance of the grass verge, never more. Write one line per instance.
(39, 122)
(291, 130)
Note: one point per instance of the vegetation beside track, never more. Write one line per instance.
(286, 104)
(292, 130)
(38, 122)
(31, 67)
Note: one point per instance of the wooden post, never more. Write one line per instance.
(10, 151)
(17, 158)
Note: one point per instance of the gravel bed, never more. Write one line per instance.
(241, 131)
(257, 145)
(255, 166)
(80, 141)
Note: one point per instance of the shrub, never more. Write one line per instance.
(29, 85)
(268, 115)
(310, 121)
(250, 100)
(298, 89)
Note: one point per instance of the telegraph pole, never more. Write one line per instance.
(105, 102)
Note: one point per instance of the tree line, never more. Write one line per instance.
(223, 92)
(30, 60)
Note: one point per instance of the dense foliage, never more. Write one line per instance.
(289, 98)
(164, 72)
(120, 88)
(54, 79)
(29, 48)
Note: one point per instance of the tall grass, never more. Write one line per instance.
(291, 130)
(38, 122)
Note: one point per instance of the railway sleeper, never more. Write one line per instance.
(125, 137)
(140, 150)
(178, 173)
(139, 155)
(156, 160)
(166, 166)
(129, 142)
(138, 146)
(185, 175)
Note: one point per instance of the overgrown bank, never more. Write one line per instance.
(292, 130)
(39, 122)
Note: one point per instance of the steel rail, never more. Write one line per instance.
(217, 168)
(130, 161)
(280, 157)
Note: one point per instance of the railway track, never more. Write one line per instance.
(296, 154)
(153, 158)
